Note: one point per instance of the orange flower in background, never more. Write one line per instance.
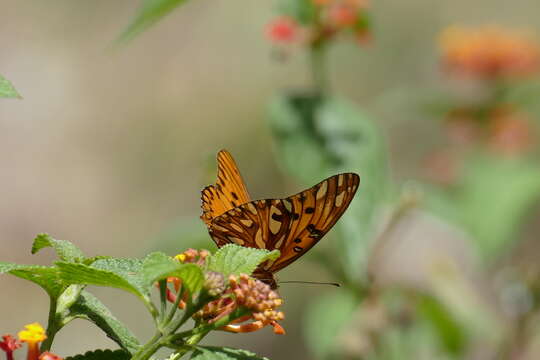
(489, 52)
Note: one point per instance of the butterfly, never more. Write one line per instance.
(292, 225)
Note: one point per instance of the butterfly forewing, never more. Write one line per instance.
(228, 192)
(292, 225)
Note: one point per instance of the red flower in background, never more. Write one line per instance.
(342, 14)
(283, 30)
(511, 132)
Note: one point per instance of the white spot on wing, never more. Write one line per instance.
(236, 227)
(339, 199)
(252, 208)
(246, 222)
(259, 240)
(322, 190)
(236, 240)
(220, 228)
(274, 224)
(288, 205)
(279, 243)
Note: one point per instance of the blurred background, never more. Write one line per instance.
(110, 147)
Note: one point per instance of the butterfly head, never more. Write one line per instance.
(266, 277)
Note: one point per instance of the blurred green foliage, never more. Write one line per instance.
(7, 90)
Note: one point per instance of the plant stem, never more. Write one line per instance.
(163, 298)
(319, 73)
(52, 325)
(149, 348)
(190, 342)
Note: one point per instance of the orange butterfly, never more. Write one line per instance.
(292, 225)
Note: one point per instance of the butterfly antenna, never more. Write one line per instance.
(310, 282)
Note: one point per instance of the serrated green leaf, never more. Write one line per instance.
(150, 12)
(65, 250)
(157, 266)
(326, 317)
(89, 307)
(223, 353)
(102, 355)
(82, 274)
(127, 268)
(7, 90)
(7, 267)
(93, 259)
(232, 259)
(46, 277)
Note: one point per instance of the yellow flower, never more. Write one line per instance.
(180, 257)
(34, 333)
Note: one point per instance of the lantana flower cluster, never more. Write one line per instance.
(253, 297)
(489, 52)
(321, 21)
(496, 59)
(33, 334)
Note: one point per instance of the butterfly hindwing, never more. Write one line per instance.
(292, 225)
(228, 192)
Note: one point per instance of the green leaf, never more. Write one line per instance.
(331, 135)
(46, 277)
(7, 90)
(232, 259)
(157, 266)
(304, 11)
(223, 353)
(65, 250)
(89, 307)
(491, 202)
(7, 267)
(449, 331)
(82, 274)
(128, 269)
(325, 318)
(148, 14)
(102, 355)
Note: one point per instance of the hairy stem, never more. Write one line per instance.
(149, 348)
(52, 325)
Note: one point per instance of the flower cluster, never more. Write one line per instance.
(33, 335)
(250, 294)
(326, 20)
(503, 130)
(489, 52)
(191, 256)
